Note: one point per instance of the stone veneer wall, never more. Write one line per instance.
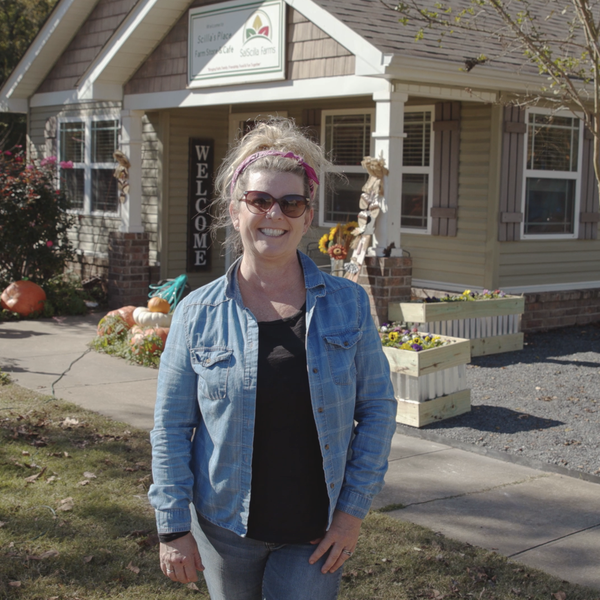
(386, 280)
(551, 310)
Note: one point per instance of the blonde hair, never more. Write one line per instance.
(275, 134)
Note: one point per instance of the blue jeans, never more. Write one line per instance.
(239, 568)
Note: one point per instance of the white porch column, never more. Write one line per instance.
(389, 139)
(131, 146)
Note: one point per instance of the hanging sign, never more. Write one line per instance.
(236, 42)
(199, 199)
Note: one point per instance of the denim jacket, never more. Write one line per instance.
(204, 418)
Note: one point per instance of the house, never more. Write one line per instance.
(480, 194)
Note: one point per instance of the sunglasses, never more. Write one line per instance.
(292, 205)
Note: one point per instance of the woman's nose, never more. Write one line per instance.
(275, 211)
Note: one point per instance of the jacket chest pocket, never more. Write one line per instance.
(212, 367)
(341, 349)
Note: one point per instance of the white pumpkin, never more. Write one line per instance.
(146, 318)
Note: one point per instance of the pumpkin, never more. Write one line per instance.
(126, 313)
(139, 336)
(160, 305)
(23, 297)
(146, 318)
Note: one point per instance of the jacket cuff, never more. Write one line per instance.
(173, 521)
(354, 504)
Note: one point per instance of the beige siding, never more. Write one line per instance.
(85, 46)
(310, 53)
(528, 263)
(461, 259)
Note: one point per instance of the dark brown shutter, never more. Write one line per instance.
(588, 214)
(444, 205)
(511, 174)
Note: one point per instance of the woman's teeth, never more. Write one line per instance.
(272, 232)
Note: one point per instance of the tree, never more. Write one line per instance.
(560, 39)
(20, 20)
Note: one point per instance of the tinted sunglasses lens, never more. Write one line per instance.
(259, 201)
(292, 205)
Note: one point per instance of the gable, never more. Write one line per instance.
(310, 53)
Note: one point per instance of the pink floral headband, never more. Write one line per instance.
(310, 172)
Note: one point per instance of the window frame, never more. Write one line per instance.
(575, 176)
(87, 166)
(341, 168)
(430, 108)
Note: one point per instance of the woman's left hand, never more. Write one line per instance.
(340, 540)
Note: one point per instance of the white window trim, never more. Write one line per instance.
(417, 170)
(576, 176)
(86, 166)
(341, 168)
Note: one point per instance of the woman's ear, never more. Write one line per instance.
(308, 217)
(234, 214)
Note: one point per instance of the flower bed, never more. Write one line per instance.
(429, 379)
(491, 320)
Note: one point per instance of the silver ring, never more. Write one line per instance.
(347, 552)
(170, 570)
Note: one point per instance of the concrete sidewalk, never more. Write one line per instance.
(542, 519)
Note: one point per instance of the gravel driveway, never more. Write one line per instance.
(539, 406)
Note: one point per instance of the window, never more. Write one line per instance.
(417, 176)
(89, 145)
(552, 175)
(347, 136)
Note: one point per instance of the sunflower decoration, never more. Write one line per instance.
(337, 241)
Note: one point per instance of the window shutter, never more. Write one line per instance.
(588, 215)
(50, 130)
(444, 205)
(511, 174)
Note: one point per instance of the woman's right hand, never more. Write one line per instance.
(180, 559)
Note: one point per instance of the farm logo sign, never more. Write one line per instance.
(199, 198)
(233, 42)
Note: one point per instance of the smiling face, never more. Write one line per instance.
(271, 236)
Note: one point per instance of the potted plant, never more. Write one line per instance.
(490, 319)
(336, 244)
(428, 373)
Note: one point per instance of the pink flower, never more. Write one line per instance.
(30, 167)
(66, 164)
(50, 160)
(7, 153)
(49, 243)
(18, 159)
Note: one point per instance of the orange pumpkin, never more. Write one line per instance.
(23, 297)
(139, 336)
(160, 305)
(126, 313)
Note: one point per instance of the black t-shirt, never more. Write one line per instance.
(288, 502)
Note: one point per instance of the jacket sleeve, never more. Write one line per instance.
(176, 416)
(375, 420)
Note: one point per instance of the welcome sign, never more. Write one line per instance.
(233, 42)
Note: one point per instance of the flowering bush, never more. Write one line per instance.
(33, 220)
(467, 295)
(396, 336)
(337, 242)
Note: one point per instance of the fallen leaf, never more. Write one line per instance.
(34, 477)
(44, 555)
(66, 455)
(133, 568)
(25, 453)
(66, 504)
(84, 482)
(192, 586)
(69, 422)
(89, 475)
(2, 523)
(87, 559)
(560, 596)
(51, 479)
(14, 583)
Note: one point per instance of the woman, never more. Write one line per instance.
(275, 410)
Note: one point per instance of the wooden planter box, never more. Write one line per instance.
(491, 325)
(430, 385)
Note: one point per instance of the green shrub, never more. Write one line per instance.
(34, 221)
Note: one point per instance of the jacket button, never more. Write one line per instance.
(320, 409)
(345, 343)
(326, 446)
(315, 370)
(332, 485)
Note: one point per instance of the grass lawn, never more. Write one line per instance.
(75, 524)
